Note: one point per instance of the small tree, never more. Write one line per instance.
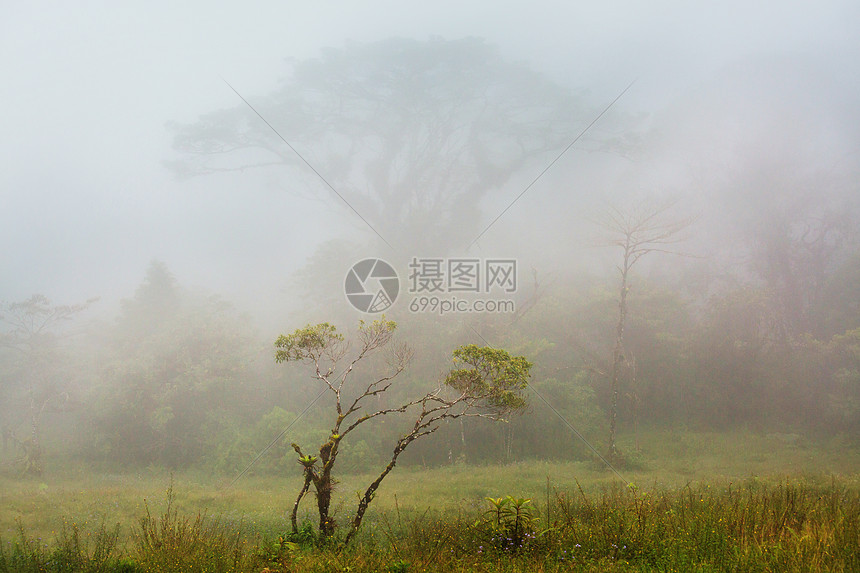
(637, 231)
(485, 382)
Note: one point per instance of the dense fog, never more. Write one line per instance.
(673, 188)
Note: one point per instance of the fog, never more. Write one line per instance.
(207, 174)
(88, 90)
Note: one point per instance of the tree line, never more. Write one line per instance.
(180, 378)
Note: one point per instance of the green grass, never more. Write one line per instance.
(700, 502)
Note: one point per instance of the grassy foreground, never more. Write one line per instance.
(700, 502)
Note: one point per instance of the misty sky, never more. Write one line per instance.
(87, 88)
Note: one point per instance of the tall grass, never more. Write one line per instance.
(754, 527)
(173, 542)
(70, 552)
(728, 527)
(790, 527)
(697, 510)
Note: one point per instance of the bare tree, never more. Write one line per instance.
(490, 384)
(642, 229)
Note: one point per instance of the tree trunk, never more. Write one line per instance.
(371, 489)
(294, 514)
(618, 358)
(33, 446)
(324, 488)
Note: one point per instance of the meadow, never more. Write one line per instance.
(688, 502)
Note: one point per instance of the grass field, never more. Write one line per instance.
(698, 501)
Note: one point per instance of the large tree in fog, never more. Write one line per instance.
(412, 134)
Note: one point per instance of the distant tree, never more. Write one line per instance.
(732, 346)
(845, 400)
(798, 228)
(485, 382)
(412, 134)
(838, 308)
(638, 230)
(170, 374)
(31, 332)
(155, 301)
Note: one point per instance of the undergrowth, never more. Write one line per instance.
(751, 527)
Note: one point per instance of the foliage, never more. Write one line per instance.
(310, 343)
(494, 377)
(837, 309)
(576, 403)
(36, 373)
(171, 374)
(176, 379)
(845, 400)
(512, 523)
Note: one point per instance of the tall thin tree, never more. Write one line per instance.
(644, 228)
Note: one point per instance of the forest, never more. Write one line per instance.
(665, 375)
(180, 379)
(711, 390)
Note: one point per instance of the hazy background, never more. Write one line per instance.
(88, 87)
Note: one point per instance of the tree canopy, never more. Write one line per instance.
(411, 134)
